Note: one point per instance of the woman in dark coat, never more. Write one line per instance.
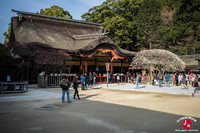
(75, 86)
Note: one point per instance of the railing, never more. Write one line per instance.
(52, 80)
(103, 79)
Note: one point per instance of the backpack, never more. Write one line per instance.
(64, 84)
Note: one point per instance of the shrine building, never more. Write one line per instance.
(81, 46)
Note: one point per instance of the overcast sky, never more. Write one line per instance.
(75, 7)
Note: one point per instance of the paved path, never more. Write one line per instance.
(149, 88)
(32, 94)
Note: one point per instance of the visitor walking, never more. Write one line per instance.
(82, 82)
(153, 78)
(137, 80)
(167, 77)
(86, 80)
(94, 78)
(118, 78)
(111, 78)
(90, 79)
(75, 86)
(180, 78)
(65, 84)
(176, 78)
(160, 79)
(183, 82)
(196, 81)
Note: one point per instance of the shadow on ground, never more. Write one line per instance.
(84, 116)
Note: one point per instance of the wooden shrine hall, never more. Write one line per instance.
(82, 46)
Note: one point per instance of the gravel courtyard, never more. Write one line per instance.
(102, 109)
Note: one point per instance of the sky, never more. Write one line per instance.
(75, 7)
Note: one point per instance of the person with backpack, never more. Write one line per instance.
(65, 84)
(75, 87)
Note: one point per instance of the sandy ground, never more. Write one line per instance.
(100, 110)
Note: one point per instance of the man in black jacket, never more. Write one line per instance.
(75, 86)
(176, 78)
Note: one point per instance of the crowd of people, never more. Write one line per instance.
(182, 80)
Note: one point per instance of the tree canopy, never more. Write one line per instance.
(55, 11)
(157, 57)
(141, 24)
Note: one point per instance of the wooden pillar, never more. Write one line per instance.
(121, 66)
(111, 65)
(85, 65)
(81, 66)
(95, 64)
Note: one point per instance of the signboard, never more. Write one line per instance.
(107, 66)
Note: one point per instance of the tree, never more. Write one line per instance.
(7, 35)
(157, 57)
(55, 11)
(52, 11)
(118, 18)
(180, 34)
(148, 21)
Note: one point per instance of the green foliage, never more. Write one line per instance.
(55, 11)
(148, 21)
(7, 35)
(118, 18)
(135, 24)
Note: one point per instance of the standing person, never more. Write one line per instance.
(193, 79)
(137, 80)
(196, 80)
(187, 79)
(90, 79)
(65, 84)
(118, 78)
(127, 76)
(94, 78)
(176, 78)
(180, 77)
(75, 86)
(183, 82)
(160, 79)
(86, 81)
(167, 77)
(111, 77)
(82, 82)
(153, 78)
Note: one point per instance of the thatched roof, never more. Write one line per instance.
(164, 58)
(59, 33)
(190, 60)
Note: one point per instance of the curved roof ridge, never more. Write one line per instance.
(58, 18)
